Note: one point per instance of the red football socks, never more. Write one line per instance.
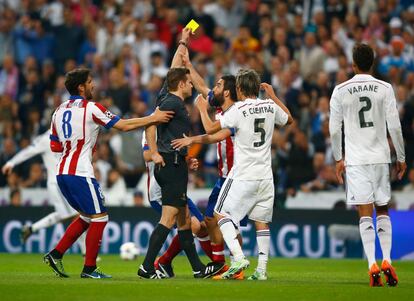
(75, 229)
(93, 242)
(218, 252)
(171, 252)
(205, 244)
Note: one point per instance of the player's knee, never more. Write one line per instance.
(168, 220)
(261, 226)
(381, 210)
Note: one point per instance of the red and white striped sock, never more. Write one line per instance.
(205, 244)
(218, 252)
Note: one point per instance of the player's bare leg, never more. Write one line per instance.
(367, 232)
(384, 232)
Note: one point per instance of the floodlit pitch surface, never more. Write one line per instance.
(26, 277)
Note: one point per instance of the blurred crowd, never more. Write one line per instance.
(303, 48)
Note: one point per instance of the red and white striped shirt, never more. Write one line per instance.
(73, 132)
(225, 151)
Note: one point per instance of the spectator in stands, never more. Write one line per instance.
(138, 198)
(36, 177)
(69, 36)
(119, 91)
(6, 33)
(311, 57)
(15, 198)
(9, 77)
(395, 58)
(116, 189)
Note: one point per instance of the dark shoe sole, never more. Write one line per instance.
(376, 280)
(389, 278)
(52, 265)
(164, 271)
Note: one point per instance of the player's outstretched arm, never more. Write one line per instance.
(209, 125)
(198, 81)
(159, 116)
(38, 146)
(181, 49)
(271, 93)
(201, 139)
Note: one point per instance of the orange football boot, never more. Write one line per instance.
(218, 276)
(375, 276)
(389, 273)
(239, 275)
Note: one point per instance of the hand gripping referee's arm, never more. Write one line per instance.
(201, 139)
(158, 116)
(209, 125)
(394, 128)
(335, 129)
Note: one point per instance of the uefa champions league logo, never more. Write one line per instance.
(109, 114)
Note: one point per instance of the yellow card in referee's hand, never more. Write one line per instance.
(193, 25)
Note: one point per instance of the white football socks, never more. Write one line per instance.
(263, 247)
(367, 231)
(230, 237)
(49, 220)
(384, 232)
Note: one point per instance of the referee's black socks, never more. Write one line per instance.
(157, 239)
(187, 244)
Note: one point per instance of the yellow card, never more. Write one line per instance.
(193, 25)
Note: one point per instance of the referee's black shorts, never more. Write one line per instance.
(173, 179)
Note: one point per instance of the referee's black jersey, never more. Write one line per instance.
(180, 124)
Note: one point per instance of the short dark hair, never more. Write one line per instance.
(230, 85)
(363, 56)
(175, 76)
(75, 78)
(248, 81)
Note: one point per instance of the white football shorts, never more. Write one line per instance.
(367, 184)
(239, 198)
(59, 202)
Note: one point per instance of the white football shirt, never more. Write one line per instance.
(75, 124)
(39, 146)
(154, 190)
(367, 106)
(254, 121)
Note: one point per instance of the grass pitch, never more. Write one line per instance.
(26, 277)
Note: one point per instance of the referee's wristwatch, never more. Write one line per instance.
(181, 42)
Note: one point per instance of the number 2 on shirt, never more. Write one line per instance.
(66, 127)
(368, 105)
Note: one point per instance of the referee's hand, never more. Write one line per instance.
(158, 159)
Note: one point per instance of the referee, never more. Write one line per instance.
(171, 171)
